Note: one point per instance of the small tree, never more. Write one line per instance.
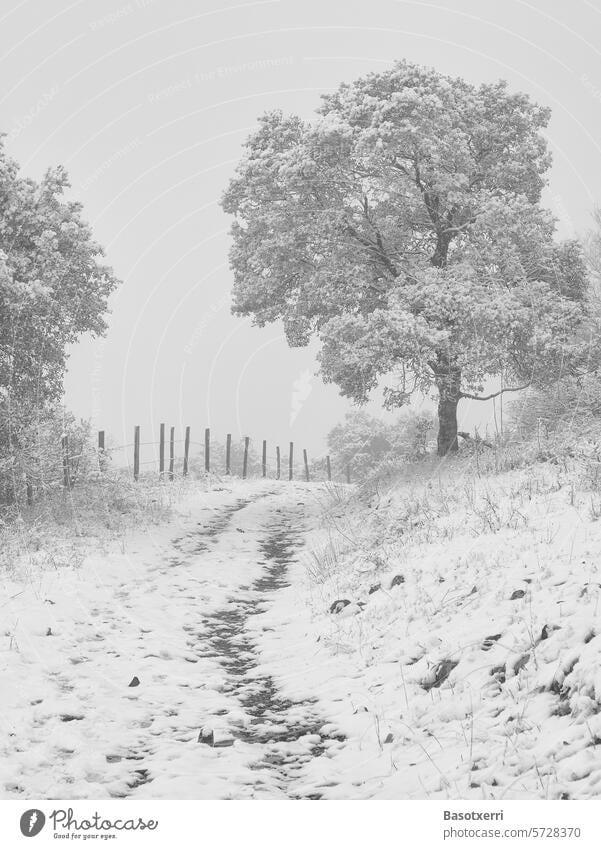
(403, 228)
(593, 252)
(53, 288)
(367, 444)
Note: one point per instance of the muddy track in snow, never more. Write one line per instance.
(287, 733)
(273, 718)
(190, 544)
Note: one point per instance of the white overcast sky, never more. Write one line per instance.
(147, 104)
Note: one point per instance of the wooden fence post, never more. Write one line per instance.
(186, 451)
(306, 462)
(328, 468)
(207, 449)
(136, 452)
(245, 463)
(171, 453)
(228, 454)
(348, 472)
(277, 462)
(66, 463)
(101, 457)
(291, 462)
(264, 463)
(162, 450)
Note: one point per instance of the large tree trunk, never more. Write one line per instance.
(447, 373)
(449, 393)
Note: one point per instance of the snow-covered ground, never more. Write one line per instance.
(136, 674)
(206, 658)
(468, 657)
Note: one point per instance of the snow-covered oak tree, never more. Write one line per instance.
(403, 228)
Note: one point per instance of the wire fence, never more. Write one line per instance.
(184, 456)
(58, 460)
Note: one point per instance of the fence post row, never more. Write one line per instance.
(245, 464)
(68, 480)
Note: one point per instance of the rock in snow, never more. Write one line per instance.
(339, 605)
(206, 735)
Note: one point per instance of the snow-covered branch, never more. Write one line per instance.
(494, 394)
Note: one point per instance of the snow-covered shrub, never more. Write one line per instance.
(560, 425)
(32, 454)
(101, 498)
(369, 446)
(569, 405)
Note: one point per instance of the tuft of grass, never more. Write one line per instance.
(54, 532)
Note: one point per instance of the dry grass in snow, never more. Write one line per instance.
(468, 654)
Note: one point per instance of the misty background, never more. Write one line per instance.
(147, 104)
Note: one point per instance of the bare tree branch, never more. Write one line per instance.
(495, 394)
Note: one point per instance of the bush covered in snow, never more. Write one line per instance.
(569, 405)
(370, 446)
(31, 454)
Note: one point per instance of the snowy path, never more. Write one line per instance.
(285, 732)
(203, 660)
(141, 674)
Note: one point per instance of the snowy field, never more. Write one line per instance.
(469, 654)
(141, 672)
(208, 658)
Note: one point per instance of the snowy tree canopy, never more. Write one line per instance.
(403, 227)
(53, 284)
